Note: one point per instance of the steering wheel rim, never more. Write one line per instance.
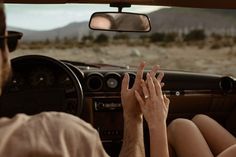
(41, 60)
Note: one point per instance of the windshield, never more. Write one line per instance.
(196, 40)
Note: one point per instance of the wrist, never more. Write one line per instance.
(157, 125)
(136, 118)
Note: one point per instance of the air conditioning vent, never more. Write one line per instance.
(94, 82)
(113, 80)
(226, 84)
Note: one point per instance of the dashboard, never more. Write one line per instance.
(41, 83)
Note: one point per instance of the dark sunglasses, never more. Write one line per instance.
(12, 40)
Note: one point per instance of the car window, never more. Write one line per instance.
(196, 40)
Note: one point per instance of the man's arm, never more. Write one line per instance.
(133, 145)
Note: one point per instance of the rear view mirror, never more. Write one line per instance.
(120, 21)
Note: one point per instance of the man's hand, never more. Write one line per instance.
(133, 144)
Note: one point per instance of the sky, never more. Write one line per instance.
(46, 17)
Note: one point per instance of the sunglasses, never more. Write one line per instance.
(12, 40)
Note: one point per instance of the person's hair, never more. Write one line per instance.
(109, 17)
(129, 22)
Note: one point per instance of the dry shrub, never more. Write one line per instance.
(215, 46)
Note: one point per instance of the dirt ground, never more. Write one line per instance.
(187, 58)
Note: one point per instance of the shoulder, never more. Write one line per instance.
(62, 121)
(49, 122)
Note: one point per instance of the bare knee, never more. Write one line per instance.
(201, 120)
(179, 124)
(178, 128)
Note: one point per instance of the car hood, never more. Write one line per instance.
(226, 4)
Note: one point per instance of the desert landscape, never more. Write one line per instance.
(171, 57)
(196, 40)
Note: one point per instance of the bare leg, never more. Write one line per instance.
(187, 140)
(229, 152)
(171, 151)
(216, 136)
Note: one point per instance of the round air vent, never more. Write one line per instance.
(94, 81)
(113, 80)
(226, 84)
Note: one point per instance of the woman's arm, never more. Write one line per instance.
(158, 141)
(154, 106)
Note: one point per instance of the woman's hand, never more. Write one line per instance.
(129, 102)
(154, 105)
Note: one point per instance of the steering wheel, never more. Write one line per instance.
(41, 83)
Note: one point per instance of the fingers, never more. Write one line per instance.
(145, 89)
(140, 100)
(154, 84)
(166, 100)
(154, 71)
(139, 74)
(151, 86)
(160, 76)
(125, 83)
(158, 89)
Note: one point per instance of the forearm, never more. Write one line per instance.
(158, 141)
(133, 144)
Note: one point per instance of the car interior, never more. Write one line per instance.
(92, 91)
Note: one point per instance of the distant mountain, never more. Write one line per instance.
(185, 19)
(167, 20)
(73, 30)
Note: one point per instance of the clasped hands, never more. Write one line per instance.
(145, 97)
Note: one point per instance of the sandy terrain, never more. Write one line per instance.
(188, 58)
